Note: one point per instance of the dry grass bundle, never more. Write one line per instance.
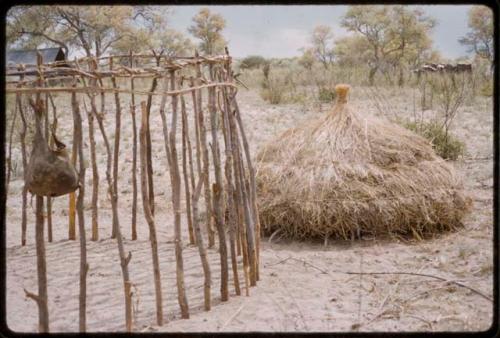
(347, 175)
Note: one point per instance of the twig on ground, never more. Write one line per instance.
(232, 317)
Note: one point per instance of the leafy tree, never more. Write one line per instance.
(307, 59)
(480, 38)
(394, 35)
(207, 27)
(168, 41)
(252, 61)
(322, 41)
(94, 29)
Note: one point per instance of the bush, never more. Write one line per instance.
(445, 144)
(252, 61)
(486, 89)
(326, 94)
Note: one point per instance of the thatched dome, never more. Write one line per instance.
(347, 174)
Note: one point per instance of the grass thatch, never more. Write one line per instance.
(347, 175)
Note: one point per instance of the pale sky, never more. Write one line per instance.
(279, 31)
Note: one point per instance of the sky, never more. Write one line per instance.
(280, 31)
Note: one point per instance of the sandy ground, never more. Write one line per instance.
(303, 286)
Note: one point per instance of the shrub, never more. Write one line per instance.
(486, 89)
(326, 94)
(252, 61)
(445, 144)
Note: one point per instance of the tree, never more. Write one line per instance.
(307, 59)
(208, 28)
(168, 41)
(395, 35)
(322, 41)
(480, 38)
(252, 61)
(93, 29)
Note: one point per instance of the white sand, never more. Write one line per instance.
(303, 286)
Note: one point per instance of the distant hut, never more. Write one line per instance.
(28, 57)
(347, 175)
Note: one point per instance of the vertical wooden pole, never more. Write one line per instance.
(185, 131)
(95, 177)
(124, 260)
(48, 198)
(72, 198)
(154, 84)
(231, 198)
(134, 156)
(116, 151)
(22, 136)
(81, 220)
(205, 158)
(42, 298)
(196, 195)
(253, 185)
(176, 194)
(53, 128)
(149, 215)
(231, 202)
(9, 154)
(217, 189)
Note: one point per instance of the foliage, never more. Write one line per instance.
(445, 144)
(95, 29)
(207, 27)
(326, 94)
(253, 61)
(322, 41)
(392, 36)
(480, 38)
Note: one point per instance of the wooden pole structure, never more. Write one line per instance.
(217, 189)
(95, 177)
(253, 185)
(187, 189)
(230, 194)
(149, 215)
(42, 298)
(176, 195)
(72, 198)
(81, 220)
(116, 153)
(48, 198)
(41, 264)
(124, 260)
(196, 195)
(134, 157)
(154, 83)
(22, 137)
(53, 128)
(203, 140)
(9, 154)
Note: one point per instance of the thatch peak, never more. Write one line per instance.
(342, 90)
